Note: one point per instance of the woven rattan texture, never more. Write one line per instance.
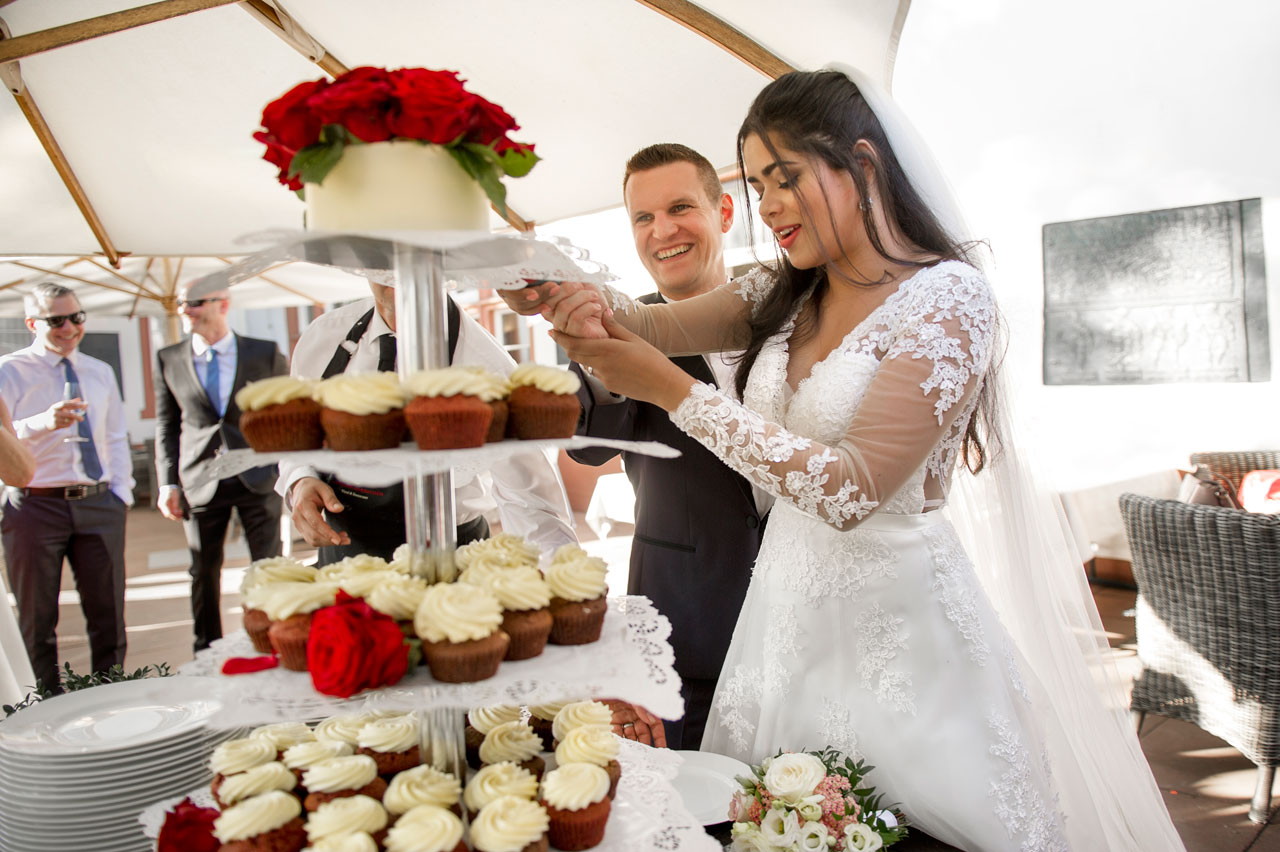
(1234, 466)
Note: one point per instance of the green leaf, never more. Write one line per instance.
(314, 162)
(518, 163)
(483, 152)
(485, 172)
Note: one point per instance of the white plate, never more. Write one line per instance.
(706, 783)
(112, 716)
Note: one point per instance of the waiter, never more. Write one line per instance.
(345, 520)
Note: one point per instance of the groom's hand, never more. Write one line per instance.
(636, 723)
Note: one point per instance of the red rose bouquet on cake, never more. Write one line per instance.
(811, 802)
(353, 647)
(307, 128)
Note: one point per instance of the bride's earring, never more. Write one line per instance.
(865, 204)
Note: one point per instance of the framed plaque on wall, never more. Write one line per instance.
(1175, 295)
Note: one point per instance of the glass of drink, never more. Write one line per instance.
(71, 390)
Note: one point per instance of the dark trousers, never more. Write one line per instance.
(206, 529)
(38, 534)
(686, 733)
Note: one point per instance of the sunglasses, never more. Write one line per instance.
(57, 322)
(195, 303)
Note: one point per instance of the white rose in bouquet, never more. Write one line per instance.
(861, 837)
(813, 837)
(792, 777)
(748, 838)
(810, 808)
(781, 827)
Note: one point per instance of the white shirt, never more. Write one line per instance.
(31, 380)
(530, 497)
(225, 351)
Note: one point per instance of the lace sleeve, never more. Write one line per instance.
(712, 322)
(931, 355)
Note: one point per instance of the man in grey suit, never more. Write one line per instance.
(197, 419)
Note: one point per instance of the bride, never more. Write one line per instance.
(869, 376)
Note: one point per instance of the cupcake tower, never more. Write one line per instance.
(355, 783)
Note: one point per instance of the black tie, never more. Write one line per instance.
(387, 353)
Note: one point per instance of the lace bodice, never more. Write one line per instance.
(874, 421)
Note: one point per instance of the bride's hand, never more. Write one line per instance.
(575, 309)
(626, 364)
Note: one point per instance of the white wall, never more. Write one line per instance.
(1045, 113)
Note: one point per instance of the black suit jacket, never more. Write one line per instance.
(697, 528)
(189, 432)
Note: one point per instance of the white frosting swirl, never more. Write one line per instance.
(362, 584)
(587, 744)
(239, 755)
(361, 563)
(361, 393)
(508, 824)
(448, 381)
(343, 729)
(357, 842)
(345, 815)
(497, 780)
(393, 734)
(421, 785)
(574, 786)
(281, 600)
(255, 816)
(506, 547)
(308, 754)
(549, 379)
(251, 782)
(457, 612)
(340, 773)
(485, 719)
(578, 579)
(426, 828)
(519, 589)
(399, 597)
(285, 735)
(547, 712)
(496, 387)
(275, 570)
(513, 741)
(276, 390)
(580, 713)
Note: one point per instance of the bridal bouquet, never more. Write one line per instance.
(810, 802)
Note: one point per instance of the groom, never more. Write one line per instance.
(698, 524)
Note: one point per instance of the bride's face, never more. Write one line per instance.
(813, 214)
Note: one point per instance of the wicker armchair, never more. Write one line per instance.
(1209, 624)
(1233, 466)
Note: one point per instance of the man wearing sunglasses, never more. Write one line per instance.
(197, 419)
(67, 411)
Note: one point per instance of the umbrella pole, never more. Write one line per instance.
(172, 323)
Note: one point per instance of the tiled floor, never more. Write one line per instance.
(1207, 784)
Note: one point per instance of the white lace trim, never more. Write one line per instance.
(955, 584)
(1019, 803)
(755, 285)
(880, 638)
(781, 638)
(733, 698)
(835, 725)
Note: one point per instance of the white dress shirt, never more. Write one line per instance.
(527, 489)
(225, 351)
(31, 380)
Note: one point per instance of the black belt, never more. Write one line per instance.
(68, 492)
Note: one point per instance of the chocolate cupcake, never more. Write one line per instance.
(264, 571)
(253, 782)
(341, 777)
(422, 785)
(526, 605)
(270, 822)
(303, 756)
(513, 742)
(578, 589)
(541, 719)
(460, 627)
(445, 410)
(284, 735)
(361, 411)
(505, 549)
(594, 744)
(279, 415)
(345, 816)
(289, 606)
(482, 720)
(495, 391)
(426, 828)
(578, 714)
(543, 403)
(392, 742)
(235, 756)
(577, 803)
(510, 824)
(495, 781)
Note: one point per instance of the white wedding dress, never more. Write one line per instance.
(865, 627)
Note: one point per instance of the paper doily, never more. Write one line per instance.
(632, 661)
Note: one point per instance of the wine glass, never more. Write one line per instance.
(71, 390)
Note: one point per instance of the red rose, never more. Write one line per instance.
(352, 647)
(433, 105)
(289, 121)
(489, 122)
(504, 144)
(188, 828)
(280, 157)
(358, 100)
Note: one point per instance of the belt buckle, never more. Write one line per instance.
(76, 492)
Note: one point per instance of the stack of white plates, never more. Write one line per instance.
(76, 770)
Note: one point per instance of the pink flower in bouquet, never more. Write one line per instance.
(359, 101)
(738, 806)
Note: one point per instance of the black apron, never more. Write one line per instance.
(374, 517)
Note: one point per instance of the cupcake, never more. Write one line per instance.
(392, 742)
(577, 802)
(513, 742)
(510, 824)
(342, 777)
(357, 841)
(460, 627)
(543, 402)
(343, 729)
(362, 584)
(234, 756)
(260, 573)
(399, 597)
(270, 822)
(361, 563)
(289, 606)
(284, 736)
(278, 415)
(445, 410)
(482, 720)
(505, 548)
(541, 719)
(344, 816)
(253, 782)
(579, 713)
(422, 785)
(303, 756)
(426, 828)
(578, 589)
(361, 411)
(526, 609)
(494, 394)
(594, 744)
(495, 781)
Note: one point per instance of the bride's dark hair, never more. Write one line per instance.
(822, 113)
